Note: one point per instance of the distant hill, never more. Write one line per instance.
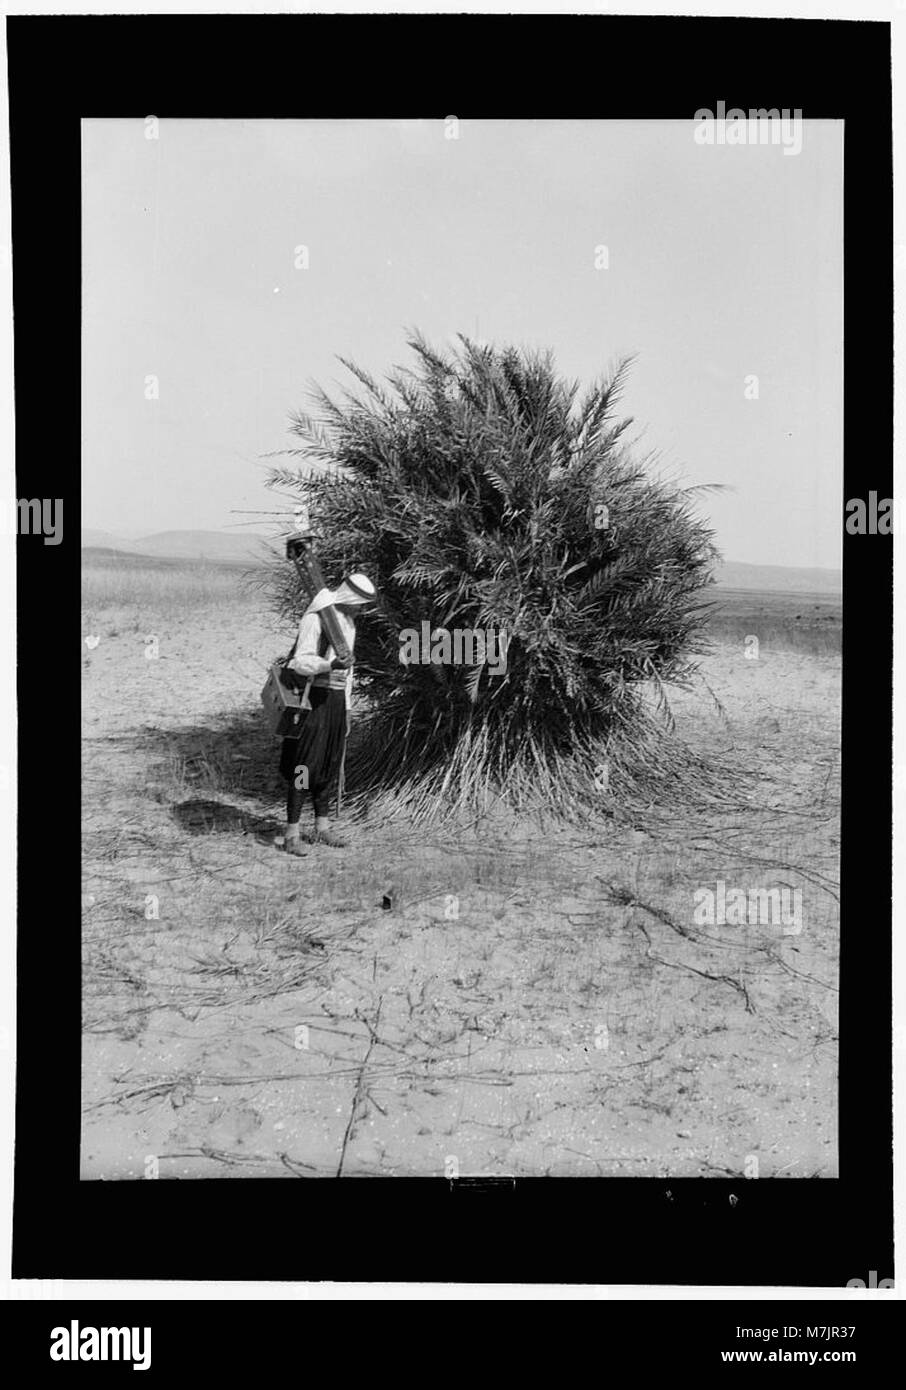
(105, 557)
(216, 547)
(222, 546)
(790, 579)
(231, 547)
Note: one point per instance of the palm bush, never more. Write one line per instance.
(480, 491)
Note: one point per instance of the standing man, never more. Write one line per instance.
(312, 760)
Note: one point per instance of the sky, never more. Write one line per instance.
(723, 263)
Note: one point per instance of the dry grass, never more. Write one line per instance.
(810, 623)
(113, 581)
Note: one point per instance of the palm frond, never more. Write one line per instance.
(466, 487)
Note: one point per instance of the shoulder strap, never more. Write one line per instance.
(323, 644)
(292, 652)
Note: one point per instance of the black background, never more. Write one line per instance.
(822, 1232)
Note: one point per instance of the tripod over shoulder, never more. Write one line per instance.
(300, 549)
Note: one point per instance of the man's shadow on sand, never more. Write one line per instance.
(201, 771)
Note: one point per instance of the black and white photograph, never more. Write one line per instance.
(461, 654)
(451, 819)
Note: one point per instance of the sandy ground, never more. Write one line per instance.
(524, 1002)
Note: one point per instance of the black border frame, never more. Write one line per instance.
(595, 1231)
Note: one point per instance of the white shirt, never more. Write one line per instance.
(307, 662)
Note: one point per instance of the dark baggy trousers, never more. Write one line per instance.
(312, 761)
